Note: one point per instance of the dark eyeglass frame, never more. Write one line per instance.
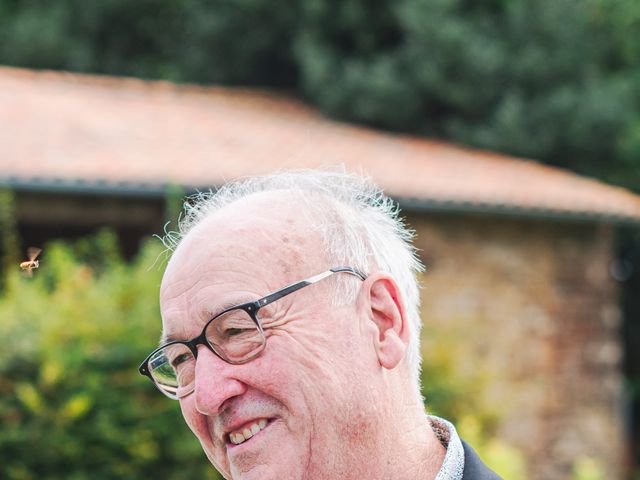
(252, 309)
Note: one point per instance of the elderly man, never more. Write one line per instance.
(291, 334)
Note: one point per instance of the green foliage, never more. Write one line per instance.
(72, 404)
(9, 249)
(454, 386)
(587, 468)
(173, 203)
(502, 457)
(192, 40)
(108, 36)
(241, 42)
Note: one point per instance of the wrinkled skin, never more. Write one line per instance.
(329, 377)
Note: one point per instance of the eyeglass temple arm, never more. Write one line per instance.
(350, 270)
(309, 281)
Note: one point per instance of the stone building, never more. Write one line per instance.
(518, 254)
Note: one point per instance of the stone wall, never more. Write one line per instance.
(534, 309)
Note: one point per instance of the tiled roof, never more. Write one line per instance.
(62, 130)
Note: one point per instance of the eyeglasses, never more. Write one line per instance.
(235, 335)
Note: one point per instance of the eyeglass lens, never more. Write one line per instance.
(234, 336)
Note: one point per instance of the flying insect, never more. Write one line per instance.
(29, 265)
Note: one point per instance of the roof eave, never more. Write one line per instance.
(83, 187)
(416, 205)
(408, 204)
(419, 205)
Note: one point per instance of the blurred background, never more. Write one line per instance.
(507, 130)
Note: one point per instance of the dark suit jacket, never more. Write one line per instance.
(474, 469)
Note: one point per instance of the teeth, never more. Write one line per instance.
(245, 434)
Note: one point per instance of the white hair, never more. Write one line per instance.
(359, 225)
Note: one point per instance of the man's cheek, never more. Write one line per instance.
(198, 425)
(195, 421)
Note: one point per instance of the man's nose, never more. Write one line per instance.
(215, 382)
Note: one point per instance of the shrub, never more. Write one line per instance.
(72, 404)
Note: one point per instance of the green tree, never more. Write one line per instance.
(544, 79)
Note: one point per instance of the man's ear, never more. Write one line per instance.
(385, 310)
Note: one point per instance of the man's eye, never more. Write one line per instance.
(232, 332)
(180, 359)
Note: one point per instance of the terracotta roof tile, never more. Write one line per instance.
(110, 132)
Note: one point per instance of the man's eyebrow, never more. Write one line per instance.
(210, 313)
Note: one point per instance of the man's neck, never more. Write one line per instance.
(416, 451)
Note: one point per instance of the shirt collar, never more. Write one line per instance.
(453, 464)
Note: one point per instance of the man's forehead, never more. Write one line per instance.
(265, 231)
(275, 212)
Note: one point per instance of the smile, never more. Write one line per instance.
(245, 433)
